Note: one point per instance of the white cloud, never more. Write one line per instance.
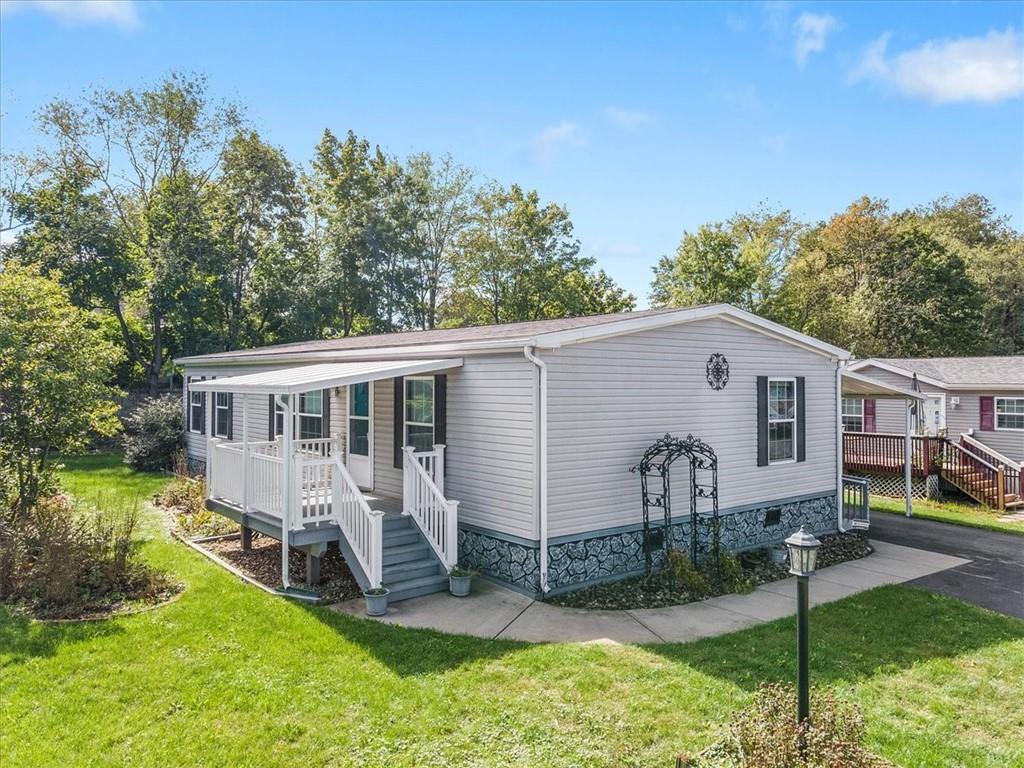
(988, 68)
(121, 13)
(812, 31)
(552, 138)
(628, 118)
(745, 98)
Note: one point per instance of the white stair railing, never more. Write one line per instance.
(362, 527)
(423, 501)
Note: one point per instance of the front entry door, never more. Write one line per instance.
(360, 434)
(933, 415)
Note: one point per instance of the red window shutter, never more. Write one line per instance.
(869, 415)
(988, 413)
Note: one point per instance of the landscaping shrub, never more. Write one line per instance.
(153, 433)
(766, 734)
(686, 575)
(60, 560)
(185, 498)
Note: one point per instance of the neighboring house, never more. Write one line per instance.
(982, 397)
(510, 446)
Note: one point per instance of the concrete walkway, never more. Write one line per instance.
(493, 611)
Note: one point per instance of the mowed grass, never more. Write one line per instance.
(229, 675)
(971, 515)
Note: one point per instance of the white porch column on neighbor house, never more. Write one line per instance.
(907, 458)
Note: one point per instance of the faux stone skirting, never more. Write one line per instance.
(604, 557)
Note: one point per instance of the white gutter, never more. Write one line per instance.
(542, 460)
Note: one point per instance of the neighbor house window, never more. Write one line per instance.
(195, 409)
(781, 420)
(1010, 413)
(311, 415)
(419, 412)
(853, 414)
(222, 414)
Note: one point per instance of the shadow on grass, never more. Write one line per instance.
(22, 639)
(411, 652)
(883, 630)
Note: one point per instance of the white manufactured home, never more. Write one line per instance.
(509, 448)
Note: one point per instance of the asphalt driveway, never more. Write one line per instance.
(993, 579)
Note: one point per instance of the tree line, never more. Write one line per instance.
(944, 279)
(168, 216)
(164, 213)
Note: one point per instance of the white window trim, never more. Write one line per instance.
(218, 407)
(796, 410)
(844, 415)
(995, 415)
(194, 429)
(433, 409)
(300, 413)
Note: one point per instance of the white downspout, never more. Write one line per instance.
(907, 460)
(287, 478)
(542, 452)
(839, 445)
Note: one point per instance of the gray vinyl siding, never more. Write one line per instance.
(387, 479)
(960, 419)
(610, 399)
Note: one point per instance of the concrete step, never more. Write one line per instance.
(425, 585)
(406, 553)
(412, 569)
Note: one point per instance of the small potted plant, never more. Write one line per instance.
(376, 601)
(459, 579)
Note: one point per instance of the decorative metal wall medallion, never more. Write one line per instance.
(718, 371)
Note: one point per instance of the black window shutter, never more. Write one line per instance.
(399, 419)
(202, 409)
(441, 409)
(231, 415)
(325, 422)
(762, 421)
(801, 430)
(271, 421)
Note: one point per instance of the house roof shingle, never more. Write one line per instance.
(960, 371)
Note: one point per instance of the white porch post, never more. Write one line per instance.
(287, 481)
(209, 401)
(245, 453)
(907, 459)
(439, 467)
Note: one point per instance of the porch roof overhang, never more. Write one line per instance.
(859, 385)
(306, 378)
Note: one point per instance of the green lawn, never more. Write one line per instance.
(229, 675)
(972, 515)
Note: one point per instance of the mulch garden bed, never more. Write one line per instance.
(263, 564)
(661, 589)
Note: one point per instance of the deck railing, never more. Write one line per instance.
(1011, 469)
(265, 491)
(363, 527)
(883, 452)
(423, 499)
(314, 481)
(226, 471)
(974, 476)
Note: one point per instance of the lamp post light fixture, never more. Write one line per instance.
(803, 556)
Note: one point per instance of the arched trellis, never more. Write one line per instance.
(658, 460)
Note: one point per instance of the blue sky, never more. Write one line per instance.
(644, 120)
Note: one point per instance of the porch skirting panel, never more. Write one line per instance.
(575, 562)
(893, 485)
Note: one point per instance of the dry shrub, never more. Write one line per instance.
(61, 560)
(185, 497)
(766, 734)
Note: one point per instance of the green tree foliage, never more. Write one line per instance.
(54, 368)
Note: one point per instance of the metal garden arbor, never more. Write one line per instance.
(657, 461)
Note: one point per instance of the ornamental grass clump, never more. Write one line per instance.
(766, 734)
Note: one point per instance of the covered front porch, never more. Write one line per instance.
(395, 527)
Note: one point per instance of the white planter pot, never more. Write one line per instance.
(459, 585)
(376, 605)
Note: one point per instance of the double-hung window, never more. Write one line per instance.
(195, 409)
(419, 412)
(1010, 413)
(853, 414)
(222, 414)
(781, 420)
(311, 415)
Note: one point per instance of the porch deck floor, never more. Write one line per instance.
(492, 611)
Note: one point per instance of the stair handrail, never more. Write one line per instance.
(362, 527)
(1001, 458)
(973, 455)
(435, 516)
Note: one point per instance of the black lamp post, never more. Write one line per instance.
(803, 556)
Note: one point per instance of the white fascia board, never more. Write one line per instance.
(856, 366)
(865, 386)
(727, 312)
(413, 351)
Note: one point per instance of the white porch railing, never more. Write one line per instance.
(423, 499)
(226, 471)
(362, 527)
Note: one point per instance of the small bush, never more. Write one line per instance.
(766, 734)
(61, 560)
(185, 497)
(153, 433)
(735, 578)
(686, 575)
